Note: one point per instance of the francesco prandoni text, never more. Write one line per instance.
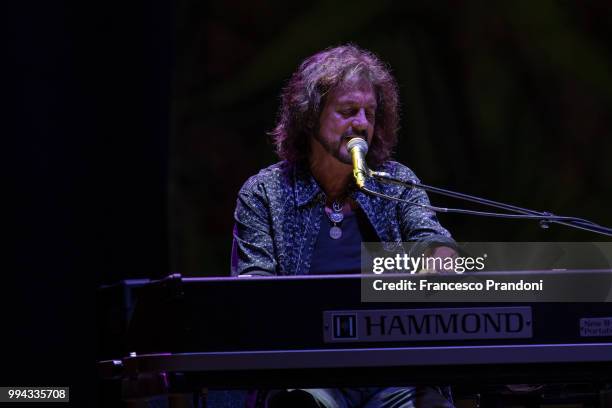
(488, 284)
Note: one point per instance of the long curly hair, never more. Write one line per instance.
(303, 100)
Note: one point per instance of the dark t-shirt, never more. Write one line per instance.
(343, 255)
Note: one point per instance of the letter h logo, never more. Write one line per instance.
(345, 326)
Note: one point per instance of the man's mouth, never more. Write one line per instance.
(352, 135)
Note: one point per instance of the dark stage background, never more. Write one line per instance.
(130, 127)
(506, 100)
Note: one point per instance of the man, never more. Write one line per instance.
(304, 215)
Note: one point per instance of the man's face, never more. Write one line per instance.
(349, 111)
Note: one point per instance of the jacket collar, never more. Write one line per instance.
(306, 187)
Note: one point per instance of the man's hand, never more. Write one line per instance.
(441, 253)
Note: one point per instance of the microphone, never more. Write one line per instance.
(358, 148)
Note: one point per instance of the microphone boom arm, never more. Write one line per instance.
(545, 218)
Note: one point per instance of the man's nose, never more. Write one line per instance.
(360, 121)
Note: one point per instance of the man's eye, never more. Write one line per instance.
(347, 112)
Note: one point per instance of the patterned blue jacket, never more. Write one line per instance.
(279, 212)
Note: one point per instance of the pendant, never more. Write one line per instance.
(336, 217)
(335, 232)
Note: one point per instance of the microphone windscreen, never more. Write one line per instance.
(357, 142)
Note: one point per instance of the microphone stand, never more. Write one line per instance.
(545, 218)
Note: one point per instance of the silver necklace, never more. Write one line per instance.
(336, 217)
